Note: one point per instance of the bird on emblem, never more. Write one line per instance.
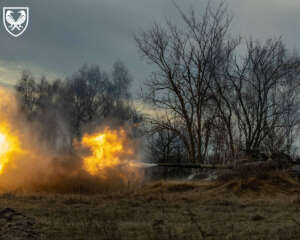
(15, 24)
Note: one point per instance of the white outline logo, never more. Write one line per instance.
(15, 26)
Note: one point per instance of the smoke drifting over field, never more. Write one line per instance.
(102, 159)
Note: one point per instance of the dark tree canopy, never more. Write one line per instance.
(89, 96)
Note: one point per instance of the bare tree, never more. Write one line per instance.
(186, 59)
(26, 89)
(121, 80)
(265, 85)
(165, 146)
(84, 96)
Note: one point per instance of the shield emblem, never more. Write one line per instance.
(15, 20)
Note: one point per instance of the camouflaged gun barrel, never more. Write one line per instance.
(192, 165)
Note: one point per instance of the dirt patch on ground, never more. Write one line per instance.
(16, 226)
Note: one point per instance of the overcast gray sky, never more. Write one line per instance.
(64, 34)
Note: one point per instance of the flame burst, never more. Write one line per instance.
(109, 148)
(28, 162)
(9, 142)
(10, 146)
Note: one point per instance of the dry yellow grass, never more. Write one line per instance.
(168, 210)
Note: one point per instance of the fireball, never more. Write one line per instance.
(28, 161)
(9, 145)
(108, 149)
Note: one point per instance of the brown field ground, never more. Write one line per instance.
(252, 208)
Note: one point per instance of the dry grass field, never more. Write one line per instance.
(266, 208)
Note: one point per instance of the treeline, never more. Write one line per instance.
(218, 95)
(213, 95)
(65, 109)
